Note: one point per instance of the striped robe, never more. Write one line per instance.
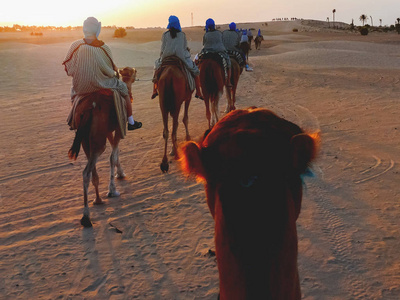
(91, 69)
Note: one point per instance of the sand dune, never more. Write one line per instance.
(343, 84)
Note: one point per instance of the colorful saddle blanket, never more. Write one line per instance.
(217, 56)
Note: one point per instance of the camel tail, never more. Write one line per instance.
(79, 135)
(211, 83)
(169, 96)
(76, 145)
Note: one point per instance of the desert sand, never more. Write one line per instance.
(152, 242)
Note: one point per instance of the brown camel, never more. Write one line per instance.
(236, 71)
(98, 122)
(173, 89)
(257, 41)
(251, 164)
(212, 82)
(245, 47)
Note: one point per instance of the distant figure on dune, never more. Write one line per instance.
(89, 62)
(174, 43)
(251, 164)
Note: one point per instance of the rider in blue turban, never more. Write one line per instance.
(210, 24)
(174, 43)
(232, 26)
(173, 22)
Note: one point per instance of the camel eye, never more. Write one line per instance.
(249, 181)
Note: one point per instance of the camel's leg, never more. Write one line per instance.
(112, 190)
(229, 96)
(214, 112)
(233, 103)
(95, 182)
(208, 113)
(114, 142)
(186, 119)
(164, 164)
(87, 172)
(175, 123)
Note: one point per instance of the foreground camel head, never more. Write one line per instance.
(251, 163)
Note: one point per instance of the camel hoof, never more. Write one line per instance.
(164, 167)
(120, 176)
(85, 222)
(113, 194)
(98, 202)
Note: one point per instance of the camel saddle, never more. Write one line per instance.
(81, 104)
(174, 61)
(236, 56)
(170, 61)
(217, 57)
(211, 55)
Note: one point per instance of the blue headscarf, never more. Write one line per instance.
(173, 22)
(232, 26)
(259, 32)
(210, 24)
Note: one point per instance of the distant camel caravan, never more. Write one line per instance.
(212, 82)
(173, 90)
(251, 164)
(97, 121)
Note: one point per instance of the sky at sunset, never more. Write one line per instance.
(155, 13)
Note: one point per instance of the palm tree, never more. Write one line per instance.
(327, 19)
(372, 21)
(333, 12)
(398, 20)
(363, 18)
(380, 22)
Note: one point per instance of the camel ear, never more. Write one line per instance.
(304, 149)
(191, 160)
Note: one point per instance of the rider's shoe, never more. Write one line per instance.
(136, 125)
(248, 68)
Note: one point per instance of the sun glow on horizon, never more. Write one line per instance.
(155, 13)
(71, 13)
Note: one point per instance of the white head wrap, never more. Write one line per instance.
(91, 27)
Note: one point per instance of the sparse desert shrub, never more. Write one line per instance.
(364, 30)
(119, 32)
(295, 30)
(397, 28)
